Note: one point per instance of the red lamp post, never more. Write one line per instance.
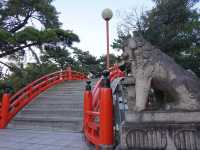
(107, 15)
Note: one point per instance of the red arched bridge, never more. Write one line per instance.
(55, 100)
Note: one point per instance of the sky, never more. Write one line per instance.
(83, 17)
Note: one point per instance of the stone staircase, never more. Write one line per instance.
(58, 108)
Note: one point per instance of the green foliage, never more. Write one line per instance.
(119, 42)
(79, 60)
(191, 61)
(54, 59)
(174, 27)
(30, 73)
(170, 25)
(57, 55)
(4, 36)
(102, 61)
(28, 34)
(85, 62)
(16, 36)
(16, 13)
(67, 37)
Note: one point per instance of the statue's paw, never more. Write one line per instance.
(138, 109)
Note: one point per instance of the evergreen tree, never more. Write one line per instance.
(15, 31)
(174, 27)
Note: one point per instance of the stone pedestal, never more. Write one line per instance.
(161, 129)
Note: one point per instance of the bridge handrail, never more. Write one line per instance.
(98, 111)
(36, 82)
(95, 94)
(31, 85)
(115, 72)
(11, 105)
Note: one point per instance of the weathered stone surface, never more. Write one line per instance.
(12, 139)
(161, 127)
(163, 117)
(152, 68)
(129, 91)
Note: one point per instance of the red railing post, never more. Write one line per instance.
(106, 114)
(5, 110)
(87, 104)
(115, 72)
(69, 73)
(30, 91)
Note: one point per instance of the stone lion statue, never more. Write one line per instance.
(152, 68)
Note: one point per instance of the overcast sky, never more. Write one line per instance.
(84, 18)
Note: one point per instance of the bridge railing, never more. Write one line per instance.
(98, 119)
(11, 105)
(115, 72)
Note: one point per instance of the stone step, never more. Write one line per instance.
(47, 125)
(66, 89)
(70, 86)
(53, 109)
(53, 106)
(61, 102)
(58, 108)
(47, 118)
(60, 93)
(64, 97)
(77, 92)
(59, 113)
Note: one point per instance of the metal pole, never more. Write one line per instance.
(107, 40)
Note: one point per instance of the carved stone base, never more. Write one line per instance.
(163, 116)
(161, 130)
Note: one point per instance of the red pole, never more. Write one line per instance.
(5, 110)
(107, 41)
(106, 117)
(69, 73)
(87, 105)
(106, 113)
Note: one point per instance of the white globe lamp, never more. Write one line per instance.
(107, 14)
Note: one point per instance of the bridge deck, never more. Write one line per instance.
(45, 123)
(12, 139)
(58, 108)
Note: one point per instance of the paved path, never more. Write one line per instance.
(12, 139)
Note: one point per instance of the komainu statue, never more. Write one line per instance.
(153, 69)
